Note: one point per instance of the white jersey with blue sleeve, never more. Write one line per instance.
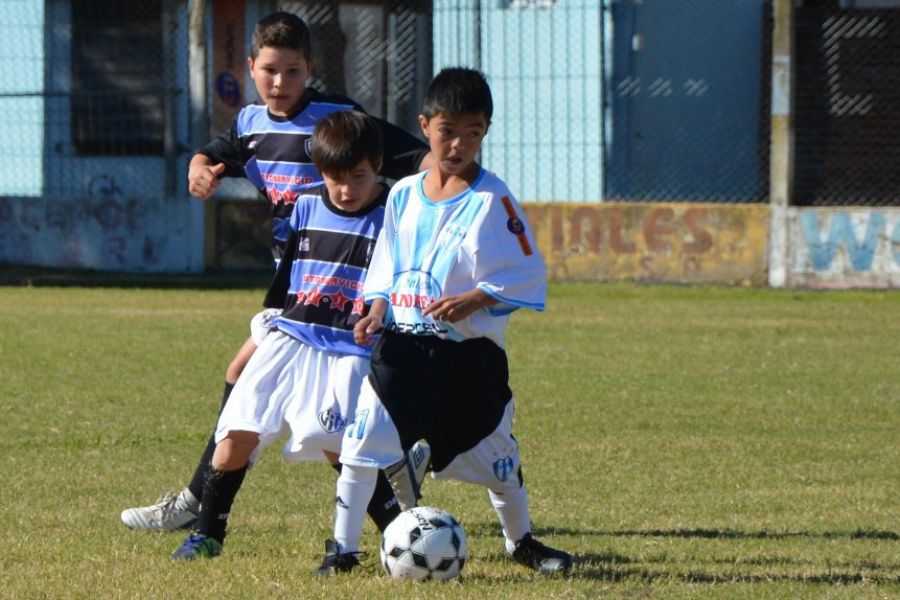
(427, 250)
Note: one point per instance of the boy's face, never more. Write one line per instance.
(454, 140)
(354, 190)
(280, 76)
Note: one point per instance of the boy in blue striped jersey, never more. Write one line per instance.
(268, 144)
(455, 257)
(305, 376)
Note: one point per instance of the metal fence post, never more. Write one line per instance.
(781, 157)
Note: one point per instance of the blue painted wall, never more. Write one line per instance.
(544, 67)
(21, 103)
(685, 101)
(682, 80)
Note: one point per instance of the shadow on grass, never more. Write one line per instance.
(860, 534)
(487, 528)
(612, 566)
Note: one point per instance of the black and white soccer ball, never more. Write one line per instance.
(424, 543)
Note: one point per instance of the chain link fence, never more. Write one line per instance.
(629, 100)
(847, 93)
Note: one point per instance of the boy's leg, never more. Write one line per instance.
(384, 506)
(494, 463)
(179, 511)
(407, 475)
(228, 468)
(371, 442)
(252, 419)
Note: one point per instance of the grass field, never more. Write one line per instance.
(682, 442)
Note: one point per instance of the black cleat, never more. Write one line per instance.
(537, 556)
(335, 562)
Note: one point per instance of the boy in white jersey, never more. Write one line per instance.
(453, 260)
(305, 376)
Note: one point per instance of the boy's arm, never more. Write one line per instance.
(458, 307)
(203, 176)
(370, 324)
(221, 157)
(276, 295)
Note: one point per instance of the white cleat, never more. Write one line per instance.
(172, 511)
(406, 476)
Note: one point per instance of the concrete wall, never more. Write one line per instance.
(844, 247)
(678, 243)
(101, 231)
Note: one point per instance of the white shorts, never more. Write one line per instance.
(261, 324)
(290, 387)
(372, 440)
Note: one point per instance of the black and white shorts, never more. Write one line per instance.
(455, 395)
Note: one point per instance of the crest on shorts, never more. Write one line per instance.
(331, 420)
(503, 468)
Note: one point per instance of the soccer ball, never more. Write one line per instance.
(424, 543)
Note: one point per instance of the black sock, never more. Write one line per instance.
(202, 470)
(383, 507)
(218, 495)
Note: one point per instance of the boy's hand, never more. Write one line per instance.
(458, 307)
(203, 178)
(365, 328)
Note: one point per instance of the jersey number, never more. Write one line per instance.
(358, 425)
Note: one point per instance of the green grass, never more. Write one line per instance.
(681, 441)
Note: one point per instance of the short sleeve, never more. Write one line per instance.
(226, 148)
(380, 276)
(508, 265)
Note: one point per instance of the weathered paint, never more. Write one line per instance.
(677, 242)
(844, 248)
(104, 231)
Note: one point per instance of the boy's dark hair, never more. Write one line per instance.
(458, 91)
(343, 139)
(282, 30)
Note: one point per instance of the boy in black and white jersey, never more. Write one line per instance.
(268, 143)
(305, 376)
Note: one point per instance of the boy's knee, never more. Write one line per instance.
(235, 368)
(233, 452)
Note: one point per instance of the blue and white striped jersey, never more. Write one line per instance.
(478, 239)
(329, 254)
(275, 153)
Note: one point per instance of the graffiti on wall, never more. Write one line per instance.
(683, 243)
(845, 248)
(104, 229)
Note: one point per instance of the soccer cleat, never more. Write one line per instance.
(406, 476)
(537, 556)
(336, 562)
(197, 545)
(172, 511)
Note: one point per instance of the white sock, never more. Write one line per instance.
(512, 508)
(355, 487)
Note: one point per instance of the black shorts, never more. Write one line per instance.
(452, 394)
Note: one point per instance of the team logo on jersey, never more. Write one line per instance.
(331, 420)
(516, 226)
(503, 468)
(303, 244)
(307, 145)
(453, 236)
